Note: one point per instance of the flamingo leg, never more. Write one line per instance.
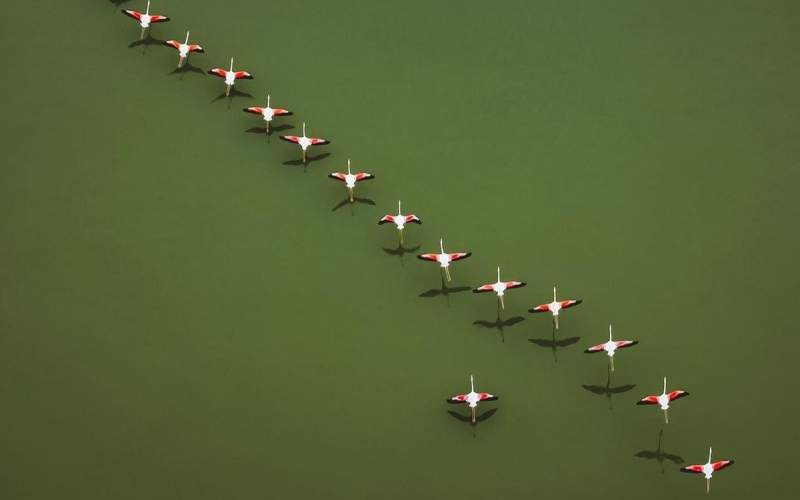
(267, 128)
(502, 303)
(304, 156)
(447, 272)
(611, 360)
(141, 36)
(401, 236)
(666, 417)
(472, 412)
(350, 193)
(708, 485)
(228, 90)
(555, 321)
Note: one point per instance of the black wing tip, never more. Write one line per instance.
(589, 351)
(420, 257)
(249, 77)
(578, 301)
(492, 398)
(381, 222)
(453, 401)
(418, 221)
(211, 72)
(641, 402)
(467, 254)
(201, 49)
(521, 284)
(288, 113)
(285, 139)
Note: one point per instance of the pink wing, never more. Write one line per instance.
(217, 72)
(433, 257)
(539, 309)
(569, 303)
(363, 176)
(195, 48)
(485, 396)
(676, 395)
(281, 112)
(515, 284)
(621, 344)
(173, 43)
(596, 348)
(484, 288)
(337, 175)
(695, 469)
(386, 218)
(459, 255)
(457, 399)
(253, 109)
(411, 218)
(133, 14)
(239, 75)
(648, 400)
(316, 141)
(291, 138)
(155, 18)
(721, 464)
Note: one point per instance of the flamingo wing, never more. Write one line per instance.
(173, 43)
(411, 218)
(721, 464)
(256, 110)
(364, 176)
(217, 72)
(569, 303)
(196, 48)
(621, 344)
(242, 75)
(156, 18)
(540, 308)
(596, 348)
(386, 218)
(316, 141)
(291, 138)
(459, 255)
(457, 399)
(677, 395)
(515, 284)
(433, 257)
(694, 469)
(338, 176)
(648, 400)
(485, 396)
(281, 112)
(489, 287)
(132, 13)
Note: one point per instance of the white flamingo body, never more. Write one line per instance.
(230, 76)
(145, 19)
(555, 306)
(610, 347)
(472, 398)
(663, 399)
(499, 287)
(184, 48)
(707, 469)
(444, 259)
(305, 142)
(267, 113)
(350, 179)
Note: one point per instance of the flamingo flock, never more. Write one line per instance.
(350, 179)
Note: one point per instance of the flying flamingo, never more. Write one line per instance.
(444, 259)
(230, 76)
(555, 307)
(611, 346)
(664, 399)
(304, 142)
(351, 179)
(267, 112)
(707, 468)
(400, 220)
(472, 398)
(499, 287)
(184, 49)
(145, 19)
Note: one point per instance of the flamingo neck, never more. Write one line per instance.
(441, 244)
(399, 211)
(147, 11)
(187, 39)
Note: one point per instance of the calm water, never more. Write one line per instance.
(185, 312)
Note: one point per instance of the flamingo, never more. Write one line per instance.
(268, 113)
(555, 307)
(664, 399)
(184, 49)
(400, 220)
(707, 468)
(230, 76)
(472, 398)
(304, 142)
(350, 179)
(444, 259)
(499, 287)
(145, 19)
(611, 346)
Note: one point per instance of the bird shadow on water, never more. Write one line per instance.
(117, 3)
(499, 323)
(356, 199)
(400, 251)
(608, 390)
(553, 343)
(659, 455)
(443, 291)
(263, 130)
(229, 98)
(186, 68)
(309, 159)
(145, 42)
(467, 420)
